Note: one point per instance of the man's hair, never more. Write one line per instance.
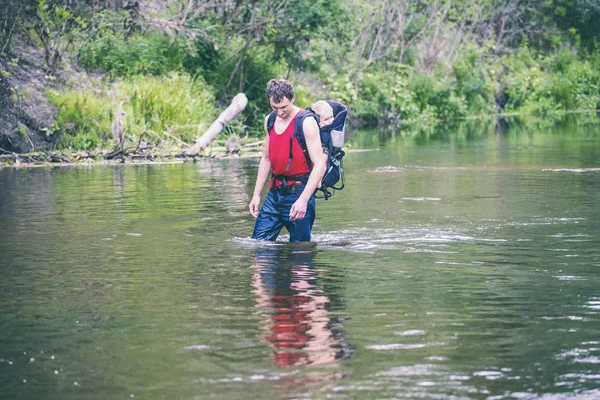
(323, 109)
(279, 88)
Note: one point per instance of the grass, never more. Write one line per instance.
(161, 108)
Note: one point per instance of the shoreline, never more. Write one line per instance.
(25, 161)
(21, 162)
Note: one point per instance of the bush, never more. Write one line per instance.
(474, 82)
(175, 104)
(379, 100)
(562, 59)
(437, 95)
(171, 106)
(582, 86)
(558, 81)
(527, 85)
(83, 118)
(153, 53)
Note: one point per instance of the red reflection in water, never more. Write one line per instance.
(297, 322)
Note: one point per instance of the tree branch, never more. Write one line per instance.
(238, 104)
(7, 41)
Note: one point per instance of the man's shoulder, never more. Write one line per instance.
(310, 121)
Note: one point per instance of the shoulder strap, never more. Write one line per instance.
(271, 121)
(299, 132)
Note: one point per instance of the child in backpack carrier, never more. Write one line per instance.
(325, 113)
(332, 116)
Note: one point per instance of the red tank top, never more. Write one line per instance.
(279, 154)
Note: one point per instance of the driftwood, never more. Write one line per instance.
(120, 151)
(140, 155)
(237, 105)
(32, 158)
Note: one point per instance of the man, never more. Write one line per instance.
(290, 201)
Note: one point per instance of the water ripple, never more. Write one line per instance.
(402, 346)
(411, 332)
(368, 239)
(576, 170)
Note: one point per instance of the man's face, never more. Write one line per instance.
(284, 108)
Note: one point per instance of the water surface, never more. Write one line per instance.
(460, 264)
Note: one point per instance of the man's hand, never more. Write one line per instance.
(298, 210)
(254, 205)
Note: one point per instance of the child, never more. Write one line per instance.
(332, 117)
(329, 121)
(324, 111)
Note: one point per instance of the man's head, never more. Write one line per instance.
(281, 96)
(324, 111)
(279, 88)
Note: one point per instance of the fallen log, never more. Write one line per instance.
(237, 105)
(254, 144)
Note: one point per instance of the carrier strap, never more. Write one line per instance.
(299, 134)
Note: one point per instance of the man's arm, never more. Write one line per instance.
(319, 161)
(264, 169)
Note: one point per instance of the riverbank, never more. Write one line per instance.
(249, 147)
(58, 159)
(112, 157)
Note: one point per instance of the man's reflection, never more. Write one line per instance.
(298, 324)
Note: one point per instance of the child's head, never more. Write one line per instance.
(324, 111)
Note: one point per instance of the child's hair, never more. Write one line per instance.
(323, 109)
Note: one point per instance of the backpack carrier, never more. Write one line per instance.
(334, 172)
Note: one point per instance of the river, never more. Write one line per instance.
(461, 264)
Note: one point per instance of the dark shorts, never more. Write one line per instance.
(275, 214)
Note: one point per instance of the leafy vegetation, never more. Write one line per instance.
(173, 64)
(159, 108)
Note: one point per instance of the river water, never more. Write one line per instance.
(461, 264)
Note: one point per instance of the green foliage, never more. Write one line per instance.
(231, 75)
(558, 81)
(563, 59)
(152, 53)
(11, 16)
(474, 82)
(411, 96)
(579, 18)
(342, 88)
(23, 130)
(437, 96)
(84, 118)
(303, 96)
(156, 54)
(205, 59)
(158, 107)
(374, 98)
(56, 26)
(528, 89)
(390, 62)
(302, 22)
(174, 105)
